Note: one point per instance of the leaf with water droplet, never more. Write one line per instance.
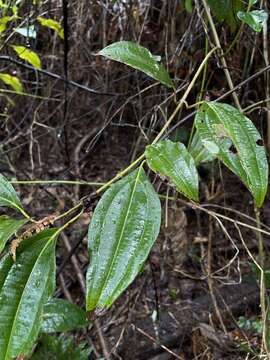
(121, 234)
(24, 288)
(171, 159)
(60, 316)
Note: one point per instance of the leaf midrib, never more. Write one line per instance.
(120, 237)
(18, 307)
(251, 146)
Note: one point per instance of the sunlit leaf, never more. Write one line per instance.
(60, 316)
(5, 20)
(12, 81)
(121, 234)
(8, 227)
(28, 55)
(52, 24)
(25, 285)
(8, 196)
(246, 157)
(255, 19)
(138, 57)
(171, 159)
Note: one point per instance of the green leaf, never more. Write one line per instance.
(172, 159)
(28, 55)
(188, 6)
(8, 196)
(24, 288)
(61, 348)
(5, 20)
(52, 24)
(216, 122)
(121, 234)
(138, 57)
(8, 227)
(12, 81)
(205, 152)
(60, 316)
(255, 19)
(226, 10)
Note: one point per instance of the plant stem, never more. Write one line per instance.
(222, 58)
(184, 97)
(239, 31)
(24, 213)
(64, 182)
(142, 156)
(121, 174)
(157, 138)
(69, 211)
(69, 222)
(262, 283)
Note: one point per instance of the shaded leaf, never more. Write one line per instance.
(12, 81)
(8, 196)
(52, 24)
(255, 19)
(246, 158)
(24, 288)
(8, 227)
(28, 55)
(60, 315)
(138, 57)
(172, 159)
(121, 234)
(226, 10)
(188, 6)
(61, 348)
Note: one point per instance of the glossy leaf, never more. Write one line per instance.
(61, 348)
(121, 234)
(246, 158)
(12, 81)
(171, 159)
(28, 55)
(226, 10)
(138, 57)
(8, 196)
(52, 24)
(24, 288)
(201, 153)
(255, 19)
(60, 316)
(8, 227)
